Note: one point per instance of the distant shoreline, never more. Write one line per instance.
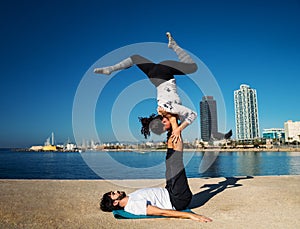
(207, 150)
(162, 150)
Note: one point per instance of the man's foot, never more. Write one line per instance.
(172, 42)
(105, 71)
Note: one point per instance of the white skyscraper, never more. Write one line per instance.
(246, 113)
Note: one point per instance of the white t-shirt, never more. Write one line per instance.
(138, 200)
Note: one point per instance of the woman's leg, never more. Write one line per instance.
(179, 68)
(183, 56)
(144, 64)
(126, 63)
(186, 65)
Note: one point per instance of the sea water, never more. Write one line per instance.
(142, 165)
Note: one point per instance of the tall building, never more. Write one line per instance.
(246, 113)
(208, 118)
(292, 131)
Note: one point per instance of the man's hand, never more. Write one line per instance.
(176, 135)
(200, 218)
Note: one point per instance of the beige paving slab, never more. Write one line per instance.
(241, 202)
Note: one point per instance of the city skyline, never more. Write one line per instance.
(48, 47)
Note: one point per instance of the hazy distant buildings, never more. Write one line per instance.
(246, 113)
(292, 131)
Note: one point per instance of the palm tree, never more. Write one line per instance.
(289, 139)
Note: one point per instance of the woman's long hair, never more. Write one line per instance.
(153, 123)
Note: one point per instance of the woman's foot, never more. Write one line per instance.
(172, 42)
(126, 63)
(105, 71)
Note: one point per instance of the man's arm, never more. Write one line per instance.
(176, 134)
(152, 210)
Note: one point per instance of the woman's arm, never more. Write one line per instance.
(152, 210)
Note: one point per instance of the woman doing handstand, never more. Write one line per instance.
(162, 76)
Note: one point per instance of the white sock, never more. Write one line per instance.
(119, 66)
(183, 56)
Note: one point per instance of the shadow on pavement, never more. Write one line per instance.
(201, 198)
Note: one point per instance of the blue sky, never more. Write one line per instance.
(48, 46)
